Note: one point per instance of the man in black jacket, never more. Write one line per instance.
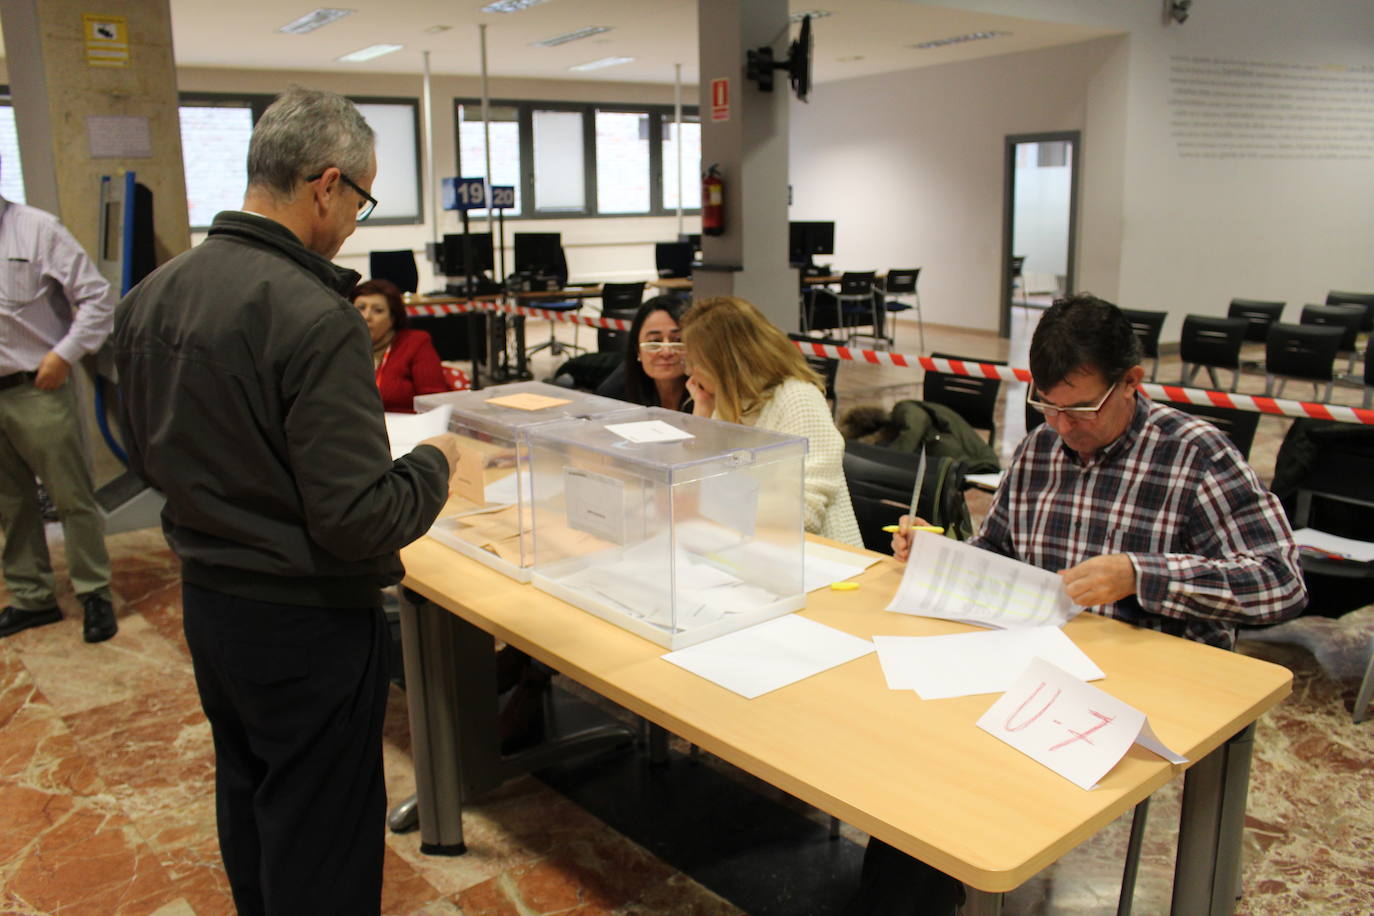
(249, 402)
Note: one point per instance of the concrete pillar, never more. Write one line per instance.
(750, 259)
(55, 88)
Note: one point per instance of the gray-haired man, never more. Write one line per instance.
(249, 401)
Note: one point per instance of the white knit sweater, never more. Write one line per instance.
(796, 408)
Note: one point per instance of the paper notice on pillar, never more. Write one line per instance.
(1076, 730)
(119, 136)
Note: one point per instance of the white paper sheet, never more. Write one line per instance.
(937, 667)
(1076, 730)
(648, 431)
(407, 430)
(824, 565)
(773, 654)
(1348, 548)
(954, 581)
(988, 482)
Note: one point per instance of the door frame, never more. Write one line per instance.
(1075, 139)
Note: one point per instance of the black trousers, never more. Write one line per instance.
(296, 697)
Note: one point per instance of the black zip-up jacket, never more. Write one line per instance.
(248, 399)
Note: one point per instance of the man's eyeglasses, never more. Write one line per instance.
(672, 347)
(1085, 414)
(369, 202)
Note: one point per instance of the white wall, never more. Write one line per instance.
(1158, 228)
(606, 248)
(910, 166)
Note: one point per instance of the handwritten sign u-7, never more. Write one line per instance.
(1075, 729)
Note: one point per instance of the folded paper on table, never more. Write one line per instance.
(1076, 730)
(960, 664)
(1348, 548)
(773, 654)
(956, 581)
(407, 430)
(825, 565)
(987, 482)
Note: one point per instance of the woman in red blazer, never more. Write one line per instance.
(404, 359)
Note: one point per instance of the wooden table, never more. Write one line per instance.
(918, 774)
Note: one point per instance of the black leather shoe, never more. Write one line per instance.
(12, 619)
(100, 623)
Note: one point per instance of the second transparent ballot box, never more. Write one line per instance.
(487, 515)
(675, 527)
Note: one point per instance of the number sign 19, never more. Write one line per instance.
(465, 193)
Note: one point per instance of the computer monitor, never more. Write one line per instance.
(452, 260)
(693, 239)
(540, 252)
(805, 239)
(673, 259)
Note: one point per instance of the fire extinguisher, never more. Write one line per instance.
(712, 202)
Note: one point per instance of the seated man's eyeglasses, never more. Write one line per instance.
(673, 347)
(365, 206)
(1085, 414)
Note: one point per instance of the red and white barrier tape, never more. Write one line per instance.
(1254, 403)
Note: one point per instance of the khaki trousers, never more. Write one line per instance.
(39, 437)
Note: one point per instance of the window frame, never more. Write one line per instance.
(659, 115)
(258, 103)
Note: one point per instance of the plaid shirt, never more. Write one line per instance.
(1211, 546)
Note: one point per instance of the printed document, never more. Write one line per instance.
(954, 581)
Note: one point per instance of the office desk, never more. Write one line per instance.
(918, 774)
(684, 284)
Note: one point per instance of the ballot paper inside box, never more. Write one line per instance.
(675, 527)
(488, 515)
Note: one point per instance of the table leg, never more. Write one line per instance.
(980, 903)
(1211, 824)
(522, 370)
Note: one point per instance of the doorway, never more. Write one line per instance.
(1040, 222)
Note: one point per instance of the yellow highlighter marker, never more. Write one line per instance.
(843, 586)
(933, 529)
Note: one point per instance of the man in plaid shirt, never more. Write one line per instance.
(1149, 515)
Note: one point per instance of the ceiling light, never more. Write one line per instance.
(314, 20)
(602, 63)
(369, 53)
(814, 14)
(588, 32)
(510, 6)
(958, 39)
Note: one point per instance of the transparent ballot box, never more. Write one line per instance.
(487, 515)
(675, 527)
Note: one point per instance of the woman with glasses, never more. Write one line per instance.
(653, 373)
(404, 359)
(743, 369)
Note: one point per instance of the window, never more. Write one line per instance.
(216, 129)
(573, 160)
(11, 169)
(504, 129)
(691, 163)
(622, 162)
(214, 144)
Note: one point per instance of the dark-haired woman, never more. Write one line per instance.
(404, 358)
(653, 373)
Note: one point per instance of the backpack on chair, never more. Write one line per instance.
(880, 483)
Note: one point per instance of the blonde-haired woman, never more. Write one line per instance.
(743, 369)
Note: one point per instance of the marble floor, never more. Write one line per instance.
(106, 769)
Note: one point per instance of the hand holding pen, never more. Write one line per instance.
(902, 533)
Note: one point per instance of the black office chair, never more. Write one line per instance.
(972, 397)
(900, 295)
(880, 484)
(825, 367)
(1341, 297)
(1211, 343)
(1322, 476)
(1369, 373)
(456, 337)
(1305, 352)
(1018, 280)
(396, 266)
(1258, 314)
(860, 304)
(1238, 425)
(1147, 326)
(1346, 317)
(609, 340)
